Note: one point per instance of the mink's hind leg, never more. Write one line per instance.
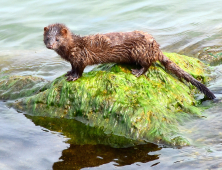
(139, 72)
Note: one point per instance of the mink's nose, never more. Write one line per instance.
(49, 46)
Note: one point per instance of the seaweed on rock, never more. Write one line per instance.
(149, 108)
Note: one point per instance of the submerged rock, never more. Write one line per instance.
(14, 87)
(150, 108)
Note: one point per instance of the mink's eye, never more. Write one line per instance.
(57, 39)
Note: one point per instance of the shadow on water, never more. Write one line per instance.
(90, 146)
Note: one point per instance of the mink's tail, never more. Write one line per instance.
(173, 68)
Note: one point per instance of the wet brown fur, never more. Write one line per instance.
(135, 47)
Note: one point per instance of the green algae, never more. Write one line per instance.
(149, 108)
(14, 87)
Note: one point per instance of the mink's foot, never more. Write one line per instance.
(137, 72)
(71, 78)
(69, 73)
(73, 75)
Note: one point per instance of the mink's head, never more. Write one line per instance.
(56, 36)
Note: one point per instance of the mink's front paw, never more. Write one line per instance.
(71, 78)
(68, 73)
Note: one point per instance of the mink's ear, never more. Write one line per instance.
(64, 32)
(46, 29)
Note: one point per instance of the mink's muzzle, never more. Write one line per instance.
(49, 46)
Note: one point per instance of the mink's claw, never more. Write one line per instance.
(71, 78)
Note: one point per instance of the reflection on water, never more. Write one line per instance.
(77, 156)
(188, 27)
(80, 134)
(86, 149)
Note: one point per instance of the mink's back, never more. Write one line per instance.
(117, 38)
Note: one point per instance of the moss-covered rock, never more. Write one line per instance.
(14, 87)
(149, 108)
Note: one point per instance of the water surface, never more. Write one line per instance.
(186, 27)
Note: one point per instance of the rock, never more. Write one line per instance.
(151, 107)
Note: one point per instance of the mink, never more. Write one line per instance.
(136, 47)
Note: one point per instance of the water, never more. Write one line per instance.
(24, 145)
(186, 27)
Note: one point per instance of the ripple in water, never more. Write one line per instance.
(187, 27)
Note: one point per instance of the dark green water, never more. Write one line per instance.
(186, 27)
